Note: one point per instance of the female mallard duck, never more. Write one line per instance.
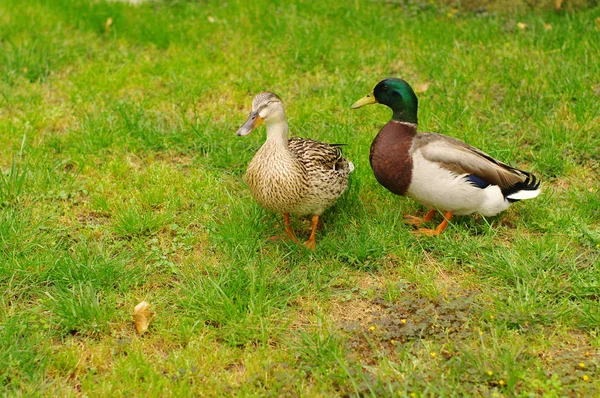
(292, 175)
(437, 171)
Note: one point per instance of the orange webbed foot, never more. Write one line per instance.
(440, 228)
(417, 221)
(427, 231)
(412, 220)
(310, 244)
(288, 228)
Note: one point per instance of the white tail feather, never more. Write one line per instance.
(524, 194)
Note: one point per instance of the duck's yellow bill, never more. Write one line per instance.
(366, 100)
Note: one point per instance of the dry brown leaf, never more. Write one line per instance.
(522, 25)
(547, 26)
(142, 316)
(421, 88)
(558, 4)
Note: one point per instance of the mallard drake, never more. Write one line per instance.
(435, 170)
(292, 175)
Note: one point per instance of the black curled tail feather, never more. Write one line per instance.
(531, 183)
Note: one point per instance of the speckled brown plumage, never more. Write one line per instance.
(292, 175)
(304, 178)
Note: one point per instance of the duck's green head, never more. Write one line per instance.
(396, 94)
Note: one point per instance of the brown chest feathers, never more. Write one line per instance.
(390, 156)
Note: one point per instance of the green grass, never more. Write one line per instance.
(120, 181)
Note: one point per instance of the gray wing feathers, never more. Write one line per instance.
(461, 158)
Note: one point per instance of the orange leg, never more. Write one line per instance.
(440, 228)
(288, 227)
(310, 243)
(418, 220)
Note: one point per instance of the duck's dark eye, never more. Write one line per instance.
(385, 87)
